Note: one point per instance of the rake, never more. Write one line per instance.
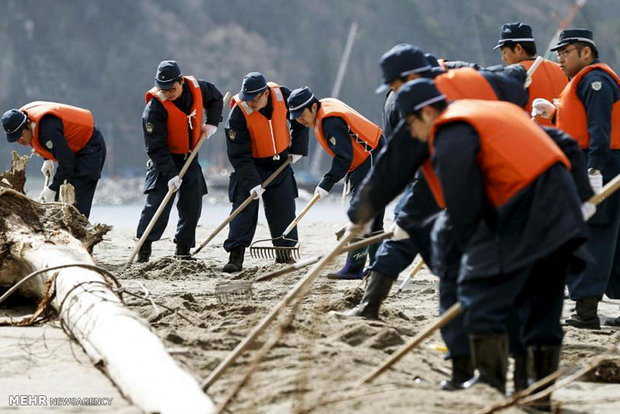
(282, 252)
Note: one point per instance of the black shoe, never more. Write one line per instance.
(144, 254)
(182, 252)
(235, 261)
(462, 371)
(586, 315)
(377, 290)
(490, 357)
(284, 256)
(542, 360)
(519, 375)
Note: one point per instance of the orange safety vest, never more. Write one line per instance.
(78, 124)
(571, 114)
(268, 137)
(462, 83)
(179, 124)
(364, 134)
(511, 156)
(547, 82)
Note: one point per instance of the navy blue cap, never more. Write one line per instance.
(253, 84)
(401, 60)
(515, 32)
(168, 72)
(13, 122)
(416, 94)
(298, 100)
(569, 36)
(432, 60)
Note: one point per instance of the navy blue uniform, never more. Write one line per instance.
(279, 196)
(164, 165)
(516, 255)
(598, 92)
(82, 169)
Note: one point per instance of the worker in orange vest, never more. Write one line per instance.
(352, 141)
(588, 109)
(259, 141)
(516, 215)
(518, 46)
(172, 124)
(62, 134)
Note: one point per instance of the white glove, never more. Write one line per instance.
(596, 182)
(47, 195)
(48, 168)
(209, 129)
(587, 209)
(174, 183)
(399, 233)
(364, 227)
(543, 108)
(295, 158)
(321, 192)
(257, 192)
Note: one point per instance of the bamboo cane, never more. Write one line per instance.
(243, 205)
(169, 194)
(414, 272)
(303, 212)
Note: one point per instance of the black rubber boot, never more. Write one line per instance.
(235, 261)
(519, 375)
(377, 290)
(284, 256)
(615, 322)
(144, 254)
(182, 252)
(490, 357)
(586, 315)
(462, 371)
(542, 360)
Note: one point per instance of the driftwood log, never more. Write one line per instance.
(35, 236)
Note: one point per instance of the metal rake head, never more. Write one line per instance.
(234, 290)
(281, 253)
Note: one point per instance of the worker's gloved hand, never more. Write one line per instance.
(257, 192)
(48, 168)
(543, 108)
(596, 181)
(295, 158)
(363, 228)
(174, 183)
(587, 209)
(47, 195)
(209, 129)
(399, 233)
(321, 192)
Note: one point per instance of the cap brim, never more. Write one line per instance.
(382, 88)
(248, 96)
(13, 137)
(559, 46)
(499, 44)
(296, 113)
(165, 85)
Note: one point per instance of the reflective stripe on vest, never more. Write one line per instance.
(514, 151)
(78, 124)
(547, 82)
(268, 137)
(364, 134)
(571, 115)
(180, 125)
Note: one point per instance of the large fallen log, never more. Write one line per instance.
(36, 236)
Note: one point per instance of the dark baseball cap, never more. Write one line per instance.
(401, 60)
(298, 100)
(416, 94)
(515, 32)
(569, 36)
(168, 72)
(13, 122)
(253, 84)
